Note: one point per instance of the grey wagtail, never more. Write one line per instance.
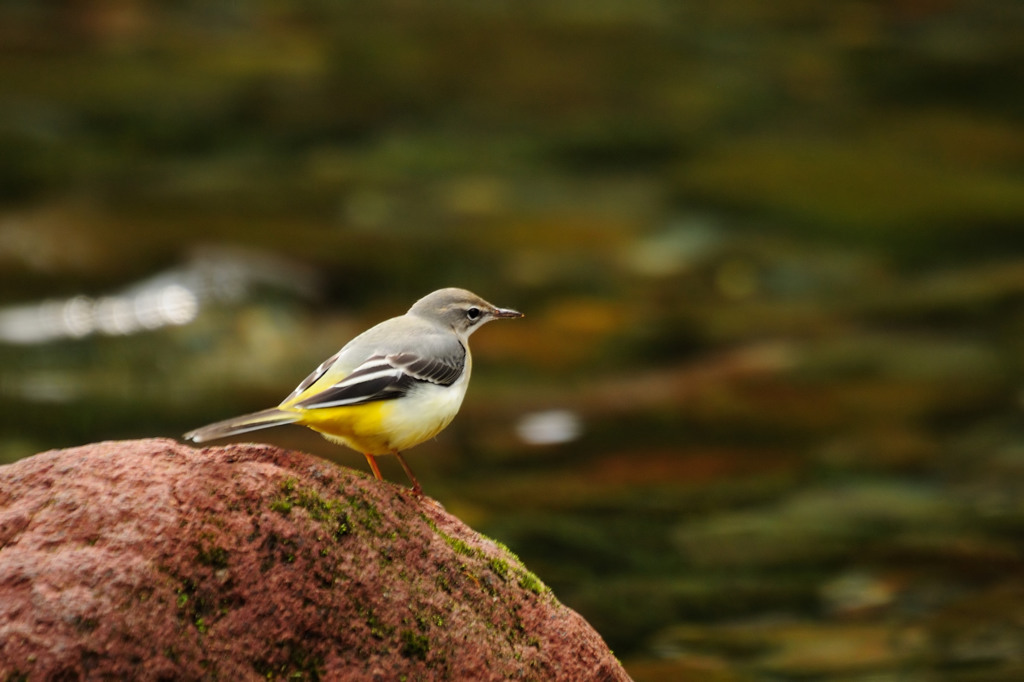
(390, 388)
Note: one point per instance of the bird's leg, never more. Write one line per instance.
(416, 489)
(373, 465)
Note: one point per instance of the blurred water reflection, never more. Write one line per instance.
(549, 427)
(149, 309)
(173, 297)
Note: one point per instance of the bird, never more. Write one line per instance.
(390, 388)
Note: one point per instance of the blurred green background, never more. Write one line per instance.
(763, 418)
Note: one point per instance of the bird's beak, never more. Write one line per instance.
(506, 312)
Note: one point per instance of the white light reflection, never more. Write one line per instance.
(549, 427)
(178, 305)
(78, 317)
(114, 316)
(171, 298)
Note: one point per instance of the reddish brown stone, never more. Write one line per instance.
(153, 560)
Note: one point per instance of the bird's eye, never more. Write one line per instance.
(473, 313)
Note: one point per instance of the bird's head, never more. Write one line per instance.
(462, 310)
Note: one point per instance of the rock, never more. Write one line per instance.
(153, 560)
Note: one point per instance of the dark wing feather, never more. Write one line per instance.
(386, 377)
(313, 376)
(443, 370)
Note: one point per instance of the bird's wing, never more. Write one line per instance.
(351, 356)
(383, 377)
(313, 377)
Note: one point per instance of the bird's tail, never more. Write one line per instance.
(263, 419)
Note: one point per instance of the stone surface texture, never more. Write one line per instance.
(153, 560)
